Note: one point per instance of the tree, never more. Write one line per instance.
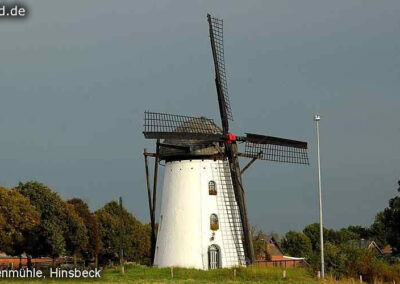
(48, 239)
(4, 239)
(136, 237)
(342, 236)
(379, 231)
(76, 236)
(312, 231)
(296, 244)
(391, 221)
(361, 232)
(17, 218)
(386, 226)
(335, 259)
(92, 225)
(259, 239)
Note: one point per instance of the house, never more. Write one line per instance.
(274, 256)
(372, 246)
(387, 250)
(7, 261)
(272, 249)
(375, 248)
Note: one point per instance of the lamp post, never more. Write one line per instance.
(317, 118)
(121, 234)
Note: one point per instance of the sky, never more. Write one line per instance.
(77, 76)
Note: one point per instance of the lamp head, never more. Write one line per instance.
(317, 117)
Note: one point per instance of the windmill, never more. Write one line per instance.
(203, 220)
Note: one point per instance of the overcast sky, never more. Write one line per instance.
(76, 77)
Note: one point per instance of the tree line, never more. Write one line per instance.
(345, 250)
(35, 220)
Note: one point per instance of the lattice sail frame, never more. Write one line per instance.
(217, 26)
(277, 153)
(164, 125)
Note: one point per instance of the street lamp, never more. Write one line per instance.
(317, 118)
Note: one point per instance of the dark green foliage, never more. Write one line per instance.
(345, 256)
(389, 222)
(76, 236)
(335, 259)
(43, 198)
(48, 239)
(312, 232)
(380, 229)
(61, 230)
(349, 260)
(136, 237)
(386, 227)
(296, 244)
(342, 236)
(361, 232)
(92, 225)
(345, 251)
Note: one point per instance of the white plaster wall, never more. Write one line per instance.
(184, 229)
(224, 237)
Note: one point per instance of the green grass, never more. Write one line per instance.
(139, 274)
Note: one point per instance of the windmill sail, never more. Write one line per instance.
(276, 149)
(216, 27)
(172, 126)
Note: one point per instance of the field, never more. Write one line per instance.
(139, 274)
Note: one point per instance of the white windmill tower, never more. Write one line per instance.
(203, 220)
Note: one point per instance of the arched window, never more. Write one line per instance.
(212, 189)
(214, 259)
(214, 222)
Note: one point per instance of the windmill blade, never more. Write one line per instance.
(172, 126)
(216, 27)
(276, 149)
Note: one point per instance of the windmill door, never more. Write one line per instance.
(214, 257)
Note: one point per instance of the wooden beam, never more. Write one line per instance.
(246, 226)
(156, 162)
(152, 219)
(240, 198)
(244, 155)
(250, 163)
(179, 147)
(149, 154)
